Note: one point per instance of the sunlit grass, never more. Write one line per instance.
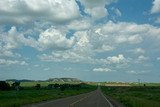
(135, 96)
(29, 95)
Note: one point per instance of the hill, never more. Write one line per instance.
(49, 80)
(63, 80)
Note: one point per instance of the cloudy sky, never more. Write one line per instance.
(93, 40)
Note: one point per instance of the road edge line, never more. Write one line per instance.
(107, 100)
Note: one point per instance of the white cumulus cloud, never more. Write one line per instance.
(137, 51)
(102, 70)
(22, 11)
(55, 39)
(156, 6)
(116, 59)
(96, 8)
(12, 62)
(158, 58)
(12, 40)
(79, 25)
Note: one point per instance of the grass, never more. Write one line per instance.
(135, 96)
(43, 84)
(29, 95)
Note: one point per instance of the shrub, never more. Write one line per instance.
(38, 86)
(16, 86)
(4, 85)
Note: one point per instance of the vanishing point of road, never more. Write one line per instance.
(93, 99)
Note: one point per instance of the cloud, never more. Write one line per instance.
(117, 34)
(23, 63)
(53, 38)
(12, 62)
(116, 11)
(124, 32)
(67, 69)
(137, 51)
(104, 48)
(75, 57)
(12, 40)
(15, 11)
(157, 20)
(101, 38)
(158, 58)
(96, 8)
(155, 7)
(36, 65)
(126, 29)
(80, 51)
(79, 25)
(134, 39)
(141, 59)
(138, 72)
(88, 44)
(8, 53)
(46, 69)
(102, 70)
(93, 45)
(116, 59)
(62, 56)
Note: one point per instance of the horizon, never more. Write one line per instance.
(105, 40)
(136, 81)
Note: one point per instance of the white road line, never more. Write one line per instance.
(107, 100)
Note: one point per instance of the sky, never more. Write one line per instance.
(93, 40)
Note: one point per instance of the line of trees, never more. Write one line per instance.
(16, 86)
(62, 87)
(6, 86)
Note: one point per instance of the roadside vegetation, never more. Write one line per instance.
(15, 95)
(134, 96)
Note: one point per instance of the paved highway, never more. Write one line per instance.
(92, 99)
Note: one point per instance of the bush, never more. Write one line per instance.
(62, 88)
(38, 86)
(56, 85)
(16, 86)
(4, 85)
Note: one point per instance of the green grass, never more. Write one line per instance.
(126, 84)
(135, 96)
(29, 95)
(43, 84)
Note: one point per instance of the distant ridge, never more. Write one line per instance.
(23, 80)
(64, 80)
(48, 80)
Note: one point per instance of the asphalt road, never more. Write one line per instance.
(92, 99)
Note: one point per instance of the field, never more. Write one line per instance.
(130, 94)
(30, 94)
(135, 96)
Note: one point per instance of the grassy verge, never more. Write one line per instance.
(135, 96)
(28, 95)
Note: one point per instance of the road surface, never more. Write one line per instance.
(92, 99)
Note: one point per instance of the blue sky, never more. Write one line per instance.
(93, 40)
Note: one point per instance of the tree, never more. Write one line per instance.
(56, 86)
(16, 86)
(4, 85)
(38, 86)
(62, 88)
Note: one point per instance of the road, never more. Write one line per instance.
(92, 99)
